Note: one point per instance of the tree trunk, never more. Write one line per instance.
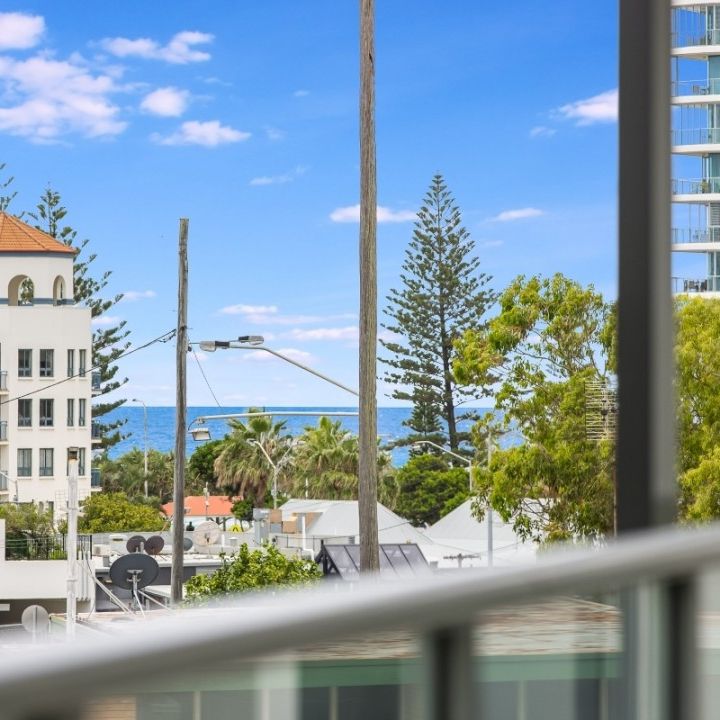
(367, 466)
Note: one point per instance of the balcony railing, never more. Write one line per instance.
(690, 285)
(689, 88)
(682, 236)
(694, 38)
(696, 186)
(4, 481)
(96, 380)
(3, 380)
(607, 633)
(3, 431)
(696, 136)
(95, 431)
(45, 547)
(95, 478)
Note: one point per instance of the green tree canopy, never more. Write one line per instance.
(550, 339)
(251, 570)
(201, 466)
(114, 512)
(442, 295)
(428, 489)
(26, 520)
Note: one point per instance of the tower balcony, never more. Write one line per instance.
(95, 433)
(700, 190)
(696, 92)
(3, 431)
(3, 381)
(695, 141)
(696, 43)
(696, 239)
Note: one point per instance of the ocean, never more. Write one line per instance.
(161, 425)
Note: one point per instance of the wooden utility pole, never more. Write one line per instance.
(367, 467)
(176, 573)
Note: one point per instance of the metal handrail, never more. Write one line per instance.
(68, 674)
(690, 88)
(695, 38)
(696, 186)
(695, 136)
(688, 236)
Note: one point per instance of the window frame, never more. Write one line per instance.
(45, 416)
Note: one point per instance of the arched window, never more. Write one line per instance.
(21, 291)
(59, 290)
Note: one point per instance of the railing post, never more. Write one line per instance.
(448, 675)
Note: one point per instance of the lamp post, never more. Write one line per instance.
(72, 566)
(470, 467)
(145, 452)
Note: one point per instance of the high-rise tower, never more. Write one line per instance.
(696, 140)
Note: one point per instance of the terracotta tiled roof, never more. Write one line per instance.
(218, 506)
(17, 236)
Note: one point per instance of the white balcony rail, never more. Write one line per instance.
(654, 573)
(689, 88)
(695, 136)
(4, 481)
(695, 186)
(3, 380)
(690, 236)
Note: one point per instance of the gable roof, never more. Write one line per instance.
(19, 237)
(218, 506)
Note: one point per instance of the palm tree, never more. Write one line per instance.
(241, 467)
(326, 464)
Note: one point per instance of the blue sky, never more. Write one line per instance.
(243, 117)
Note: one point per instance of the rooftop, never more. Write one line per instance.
(17, 236)
(218, 506)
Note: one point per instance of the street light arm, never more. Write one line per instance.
(264, 452)
(445, 450)
(239, 346)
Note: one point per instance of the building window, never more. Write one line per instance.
(46, 462)
(25, 412)
(70, 363)
(24, 468)
(70, 412)
(81, 462)
(47, 361)
(24, 363)
(82, 362)
(82, 405)
(46, 413)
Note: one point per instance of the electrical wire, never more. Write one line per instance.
(165, 337)
(202, 372)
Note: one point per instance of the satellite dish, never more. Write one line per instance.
(35, 620)
(134, 571)
(154, 545)
(135, 544)
(207, 533)
(187, 543)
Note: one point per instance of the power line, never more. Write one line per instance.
(202, 372)
(165, 337)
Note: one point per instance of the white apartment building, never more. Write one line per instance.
(46, 383)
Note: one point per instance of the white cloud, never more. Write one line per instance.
(275, 134)
(51, 98)
(342, 333)
(301, 93)
(167, 102)
(179, 51)
(208, 134)
(105, 320)
(520, 214)
(278, 179)
(351, 214)
(600, 108)
(541, 131)
(491, 243)
(270, 315)
(19, 31)
(262, 356)
(134, 295)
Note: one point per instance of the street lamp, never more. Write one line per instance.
(275, 466)
(255, 342)
(145, 452)
(470, 467)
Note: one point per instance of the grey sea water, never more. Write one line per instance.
(161, 425)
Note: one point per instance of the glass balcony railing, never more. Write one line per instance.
(3, 431)
(4, 481)
(690, 285)
(95, 431)
(95, 380)
(695, 38)
(695, 186)
(681, 236)
(696, 136)
(95, 478)
(690, 88)
(3, 380)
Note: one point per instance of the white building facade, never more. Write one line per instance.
(46, 380)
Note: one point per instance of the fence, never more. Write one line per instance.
(45, 547)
